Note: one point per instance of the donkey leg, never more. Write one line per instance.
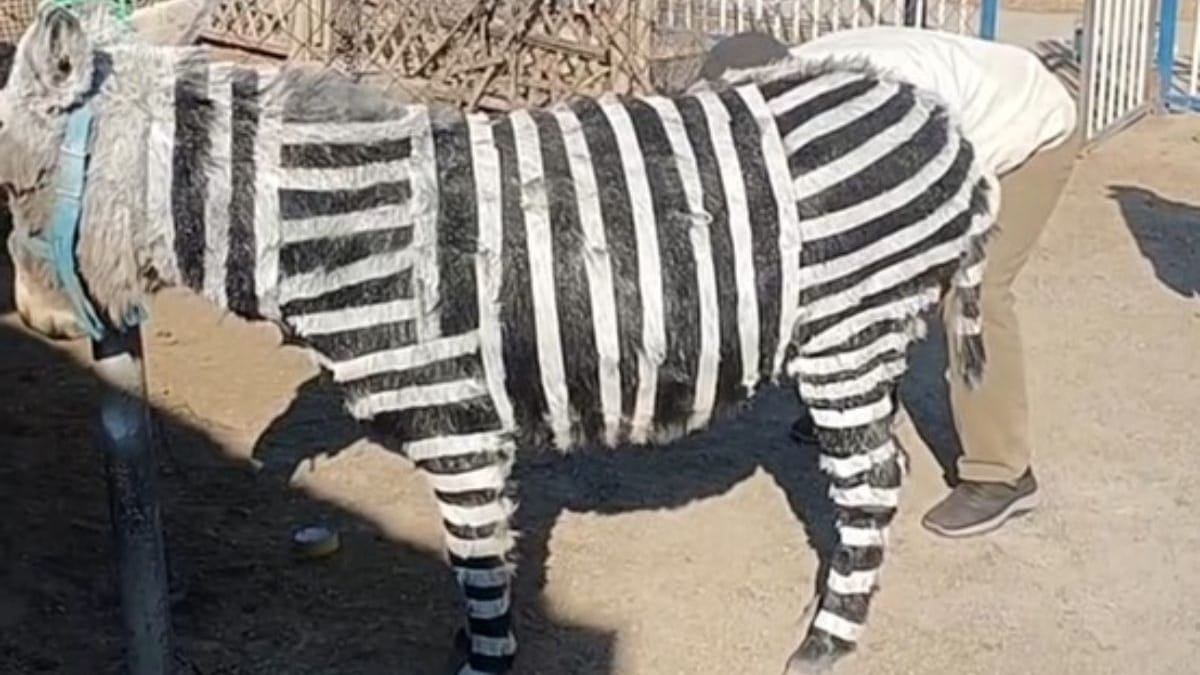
(470, 485)
(865, 466)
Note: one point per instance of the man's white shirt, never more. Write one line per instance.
(1009, 104)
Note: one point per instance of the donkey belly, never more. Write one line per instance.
(642, 357)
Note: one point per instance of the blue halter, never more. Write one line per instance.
(56, 244)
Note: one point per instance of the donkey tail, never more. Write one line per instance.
(967, 285)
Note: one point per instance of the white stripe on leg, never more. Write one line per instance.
(838, 627)
(859, 582)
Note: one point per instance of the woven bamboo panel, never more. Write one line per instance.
(15, 16)
(480, 54)
(271, 27)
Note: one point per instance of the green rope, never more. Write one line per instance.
(120, 8)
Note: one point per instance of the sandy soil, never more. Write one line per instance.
(685, 560)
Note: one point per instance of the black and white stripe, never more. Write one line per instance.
(891, 206)
(613, 270)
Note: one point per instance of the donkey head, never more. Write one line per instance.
(53, 70)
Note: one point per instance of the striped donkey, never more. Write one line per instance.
(611, 271)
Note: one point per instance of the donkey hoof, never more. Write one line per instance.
(816, 654)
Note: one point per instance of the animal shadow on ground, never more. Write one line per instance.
(241, 602)
(629, 479)
(596, 480)
(1167, 233)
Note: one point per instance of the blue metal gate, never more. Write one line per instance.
(1177, 78)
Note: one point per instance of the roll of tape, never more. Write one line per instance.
(315, 541)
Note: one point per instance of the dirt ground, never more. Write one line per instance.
(690, 559)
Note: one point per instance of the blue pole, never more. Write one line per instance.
(989, 14)
(1168, 13)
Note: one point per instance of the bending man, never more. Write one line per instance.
(1022, 122)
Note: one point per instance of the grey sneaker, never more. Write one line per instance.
(974, 508)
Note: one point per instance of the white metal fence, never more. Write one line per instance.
(796, 21)
(1118, 43)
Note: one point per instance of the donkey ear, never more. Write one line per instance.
(174, 22)
(54, 58)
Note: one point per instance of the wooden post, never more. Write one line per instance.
(131, 471)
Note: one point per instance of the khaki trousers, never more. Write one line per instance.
(993, 420)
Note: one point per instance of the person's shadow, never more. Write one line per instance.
(1167, 233)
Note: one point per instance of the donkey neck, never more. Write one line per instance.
(261, 181)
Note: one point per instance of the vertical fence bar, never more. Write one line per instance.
(1106, 29)
(1195, 61)
(1138, 49)
(989, 17)
(1129, 47)
(796, 22)
(1113, 73)
(1097, 72)
(1087, 68)
(1165, 60)
(130, 467)
(1128, 100)
(1144, 22)
(919, 10)
(1120, 60)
